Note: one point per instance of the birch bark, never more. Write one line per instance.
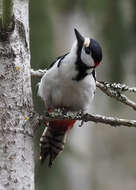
(16, 139)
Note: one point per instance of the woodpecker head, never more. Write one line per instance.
(88, 50)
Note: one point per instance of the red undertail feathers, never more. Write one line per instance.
(54, 138)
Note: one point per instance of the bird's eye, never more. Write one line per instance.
(87, 50)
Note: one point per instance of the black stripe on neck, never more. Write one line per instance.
(94, 74)
(81, 67)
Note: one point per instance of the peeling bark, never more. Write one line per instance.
(16, 139)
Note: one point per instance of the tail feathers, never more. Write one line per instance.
(52, 143)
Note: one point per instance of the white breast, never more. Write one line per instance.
(57, 88)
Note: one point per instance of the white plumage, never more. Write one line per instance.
(58, 89)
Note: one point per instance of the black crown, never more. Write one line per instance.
(96, 51)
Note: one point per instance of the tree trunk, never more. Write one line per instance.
(16, 139)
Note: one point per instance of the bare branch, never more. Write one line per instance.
(116, 94)
(119, 87)
(38, 73)
(60, 115)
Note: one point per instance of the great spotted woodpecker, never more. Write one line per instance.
(69, 83)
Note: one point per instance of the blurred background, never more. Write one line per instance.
(95, 157)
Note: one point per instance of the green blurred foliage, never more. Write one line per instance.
(98, 7)
(41, 55)
(134, 19)
(133, 28)
(64, 6)
(116, 39)
(41, 37)
(53, 178)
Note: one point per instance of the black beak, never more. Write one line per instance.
(79, 37)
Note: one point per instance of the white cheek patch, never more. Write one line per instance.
(86, 42)
(86, 58)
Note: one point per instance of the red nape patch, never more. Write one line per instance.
(62, 124)
(96, 64)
